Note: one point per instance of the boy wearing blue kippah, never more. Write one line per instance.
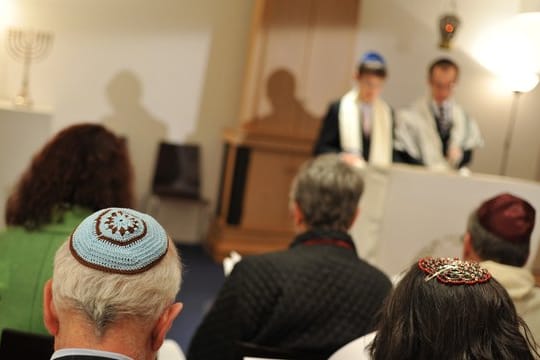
(360, 125)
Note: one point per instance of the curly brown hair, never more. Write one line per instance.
(83, 165)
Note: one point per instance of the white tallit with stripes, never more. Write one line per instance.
(416, 133)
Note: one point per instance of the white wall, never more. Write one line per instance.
(406, 33)
(187, 57)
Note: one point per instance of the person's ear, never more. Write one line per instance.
(468, 250)
(50, 317)
(163, 325)
(355, 216)
(298, 216)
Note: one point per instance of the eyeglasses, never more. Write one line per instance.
(443, 86)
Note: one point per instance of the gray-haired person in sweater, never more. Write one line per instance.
(308, 300)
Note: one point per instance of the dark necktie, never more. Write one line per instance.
(444, 123)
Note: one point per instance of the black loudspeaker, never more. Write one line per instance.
(177, 171)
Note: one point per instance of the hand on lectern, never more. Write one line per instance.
(454, 156)
(353, 159)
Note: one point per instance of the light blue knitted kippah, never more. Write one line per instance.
(122, 241)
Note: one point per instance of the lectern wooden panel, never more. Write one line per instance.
(301, 58)
(270, 173)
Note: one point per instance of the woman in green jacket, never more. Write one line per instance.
(84, 168)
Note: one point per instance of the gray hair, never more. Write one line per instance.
(327, 191)
(104, 298)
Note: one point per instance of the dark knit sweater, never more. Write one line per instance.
(314, 297)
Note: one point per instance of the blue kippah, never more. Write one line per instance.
(372, 60)
(122, 241)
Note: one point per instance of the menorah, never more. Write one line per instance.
(27, 46)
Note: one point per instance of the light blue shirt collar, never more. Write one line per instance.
(74, 351)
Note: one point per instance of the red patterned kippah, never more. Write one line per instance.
(508, 217)
(453, 271)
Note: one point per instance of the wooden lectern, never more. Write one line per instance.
(300, 58)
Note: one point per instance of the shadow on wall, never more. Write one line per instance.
(288, 115)
(220, 98)
(132, 120)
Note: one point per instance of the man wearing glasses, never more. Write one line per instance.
(436, 131)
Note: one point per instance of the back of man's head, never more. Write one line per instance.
(118, 266)
(500, 229)
(327, 192)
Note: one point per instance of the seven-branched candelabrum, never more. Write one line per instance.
(27, 46)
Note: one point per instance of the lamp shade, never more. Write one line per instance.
(511, 50)
(521, 82)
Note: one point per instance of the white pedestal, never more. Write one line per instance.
(22, 133)
(409, 212)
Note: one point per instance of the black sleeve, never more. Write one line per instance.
(328, 140)
(467, 154)
(467, 158)
(403, 157)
